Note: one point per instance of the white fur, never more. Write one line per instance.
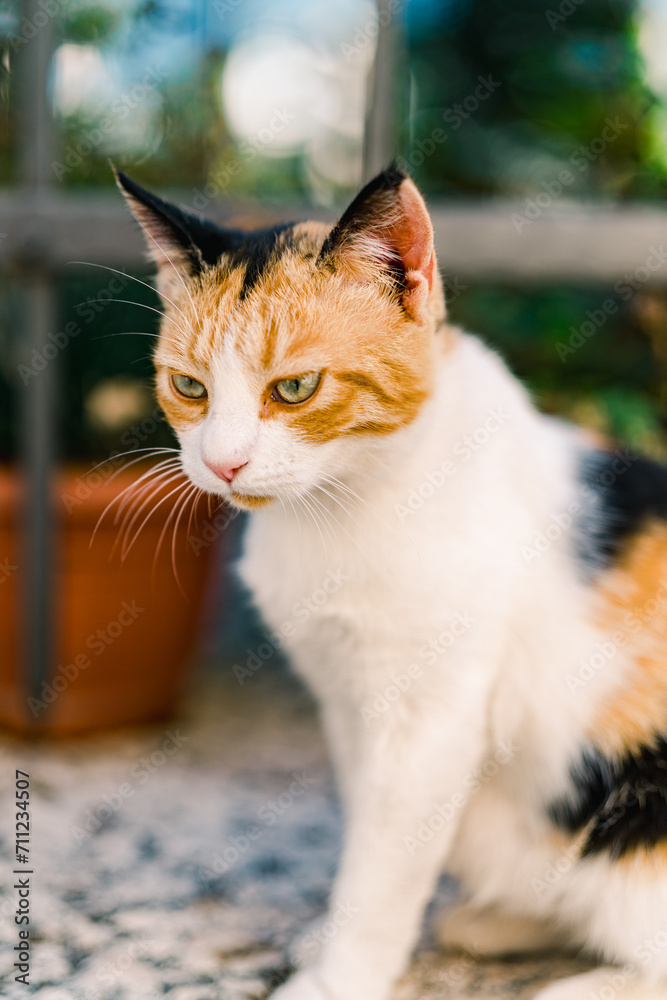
(453, 561)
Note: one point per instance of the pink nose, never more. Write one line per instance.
(226, 472)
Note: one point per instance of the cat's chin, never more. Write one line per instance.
(248, 502)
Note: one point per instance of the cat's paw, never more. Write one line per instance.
(304, 985)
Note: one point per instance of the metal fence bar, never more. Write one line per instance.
(37, 416)
(480, 240)
(380, 137)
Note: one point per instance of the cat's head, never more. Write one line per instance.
(285, 352)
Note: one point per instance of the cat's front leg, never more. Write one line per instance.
(403, 805)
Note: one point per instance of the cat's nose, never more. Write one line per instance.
(225, 471)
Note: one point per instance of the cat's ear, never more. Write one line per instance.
(387, 231)
(170, 245)
(179, 243)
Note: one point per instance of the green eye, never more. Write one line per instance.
(297, 390)
(189, 387)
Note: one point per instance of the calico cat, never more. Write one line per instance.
(491, 666)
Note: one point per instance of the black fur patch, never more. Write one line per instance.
(624, 802)
(258, 251)
(205, 242)
(622, 492)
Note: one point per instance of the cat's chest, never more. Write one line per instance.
(346, 595)
(299, 580)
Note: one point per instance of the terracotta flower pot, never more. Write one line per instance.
(124, 627)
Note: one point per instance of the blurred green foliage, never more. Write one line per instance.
(601, 372)
(506, 94)
(554, 80)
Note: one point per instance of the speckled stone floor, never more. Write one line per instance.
(180, 860)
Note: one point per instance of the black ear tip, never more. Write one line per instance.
(124, 182)
(394, 175)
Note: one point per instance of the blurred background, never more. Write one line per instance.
(538, 132)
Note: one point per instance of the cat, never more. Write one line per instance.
(491, 665)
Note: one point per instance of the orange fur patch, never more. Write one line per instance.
(634, 616)
(645, 862)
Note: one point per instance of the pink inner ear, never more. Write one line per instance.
(413, 238)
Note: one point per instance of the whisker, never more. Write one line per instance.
(118, 496)
(169, 460)
(189, 496)
(138, 333)
(133, 503)
(351, 502)
(184, 487)
(340, 504)
(166, 465)
(134, 499)
(105, 267)
(327, 516)
(142, 305)
(298, 521)
(193, 511)
(134, 517)
(334, 481)
(176, 271)
(148, 517)
(355, 541)
(132, 451)
(311, 510)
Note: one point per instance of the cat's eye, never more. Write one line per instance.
(297, 389)
(187, 386)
